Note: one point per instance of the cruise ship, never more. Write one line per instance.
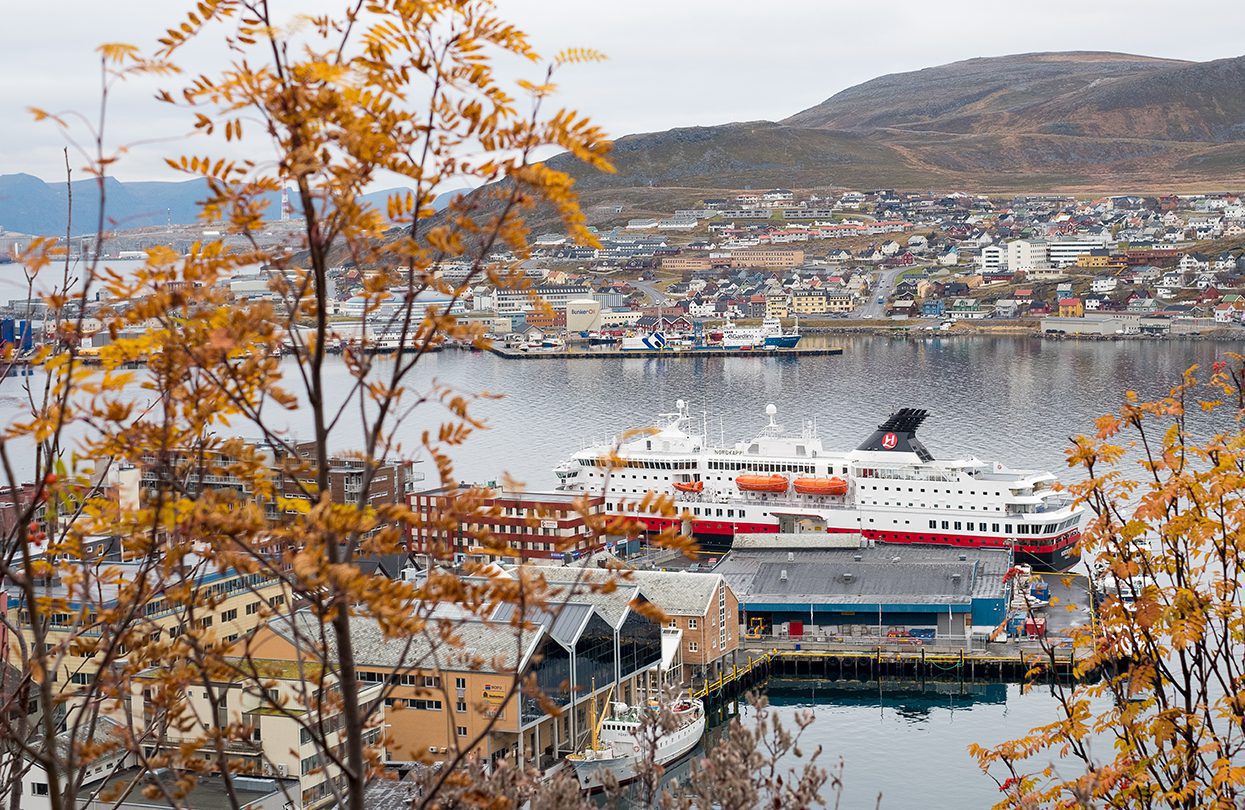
(890, 489)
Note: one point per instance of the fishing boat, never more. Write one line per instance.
(617, 746)
(775, 336)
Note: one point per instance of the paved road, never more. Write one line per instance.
(655, 295)
(886, 282)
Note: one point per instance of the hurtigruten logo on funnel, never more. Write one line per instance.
(898, 434)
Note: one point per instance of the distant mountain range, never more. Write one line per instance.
(30, 205)
(1071, 121)
(1076, 121)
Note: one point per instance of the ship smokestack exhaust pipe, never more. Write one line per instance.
(898, 434)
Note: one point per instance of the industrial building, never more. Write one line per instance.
(839, 587)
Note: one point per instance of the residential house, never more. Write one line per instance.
(1071, 308)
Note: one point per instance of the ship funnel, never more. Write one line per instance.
(898, 434)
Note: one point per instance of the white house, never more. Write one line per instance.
(1103, 284)
(1192, 262)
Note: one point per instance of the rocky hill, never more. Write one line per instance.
(1078, 121)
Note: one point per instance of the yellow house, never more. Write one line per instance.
(1071, 308)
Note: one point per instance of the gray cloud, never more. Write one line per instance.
(672, 62)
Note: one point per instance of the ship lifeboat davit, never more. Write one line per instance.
(689, 486)
(821, 486)
(762, 483)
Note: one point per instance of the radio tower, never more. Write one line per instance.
(285, 204)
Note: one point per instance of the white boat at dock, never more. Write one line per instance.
(617, 748)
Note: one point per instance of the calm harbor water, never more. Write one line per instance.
(1012, 399)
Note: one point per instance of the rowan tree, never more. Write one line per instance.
(327, 107)
(1157, 715)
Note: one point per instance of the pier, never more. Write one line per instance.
(673, 354)
(999, 663)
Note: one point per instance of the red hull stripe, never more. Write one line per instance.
(727, 528)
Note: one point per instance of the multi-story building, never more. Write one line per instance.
(841, 301)
(271, 704)
(1025, 255)
(193, 472)
(992, 259)
(239, 602)
(446, 694)
(809, 302)
(521, 525)
(683, 264)
(1100, 260)
(1064, 252)
(777, 305)
(556, 296)
(767, 257)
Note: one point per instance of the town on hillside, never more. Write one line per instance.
(1113, 265)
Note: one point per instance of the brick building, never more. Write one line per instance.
(532, 525)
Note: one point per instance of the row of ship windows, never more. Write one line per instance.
(931, 506)
(645, 465)
(696, 510)
(935, 491)
(735, 466)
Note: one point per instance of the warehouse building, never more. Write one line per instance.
(812, 585)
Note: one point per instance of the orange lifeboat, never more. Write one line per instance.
(689, 486)
(762, 483)
(821, 486)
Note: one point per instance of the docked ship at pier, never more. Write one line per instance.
(890, 489)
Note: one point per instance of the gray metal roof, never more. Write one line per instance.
(564, 622)
(682, 593)
(473, 644)
(896, 574)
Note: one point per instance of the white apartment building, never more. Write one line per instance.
(1025, 255)
(1063, 253)
(992, 258)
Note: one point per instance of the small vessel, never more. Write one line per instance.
(762, 483)
(648, 342)
(689, 486)
(616, 746)
(820, 486)
(776, 337)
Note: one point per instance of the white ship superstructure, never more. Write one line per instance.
(890, 488)
(618, 749)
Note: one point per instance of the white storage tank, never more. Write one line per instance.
(583, 315)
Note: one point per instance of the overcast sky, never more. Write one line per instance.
(672, 62)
